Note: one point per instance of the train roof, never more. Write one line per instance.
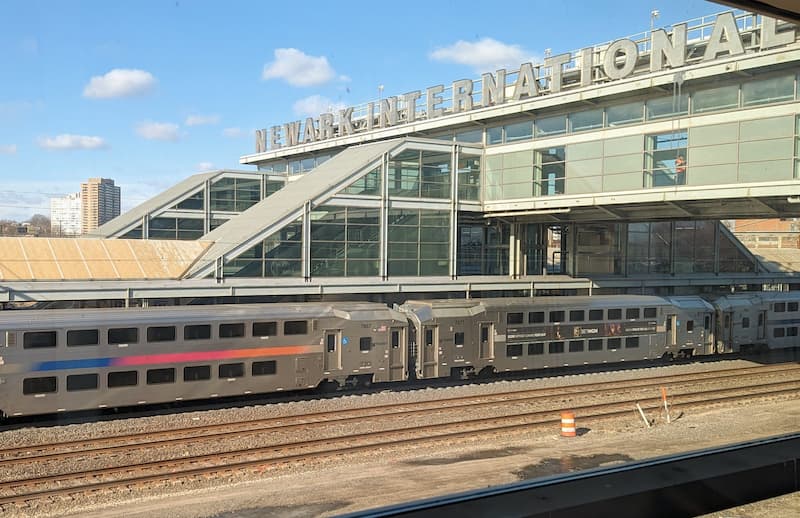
(75, 318)
(746, 299)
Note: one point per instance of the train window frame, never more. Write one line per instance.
(259, 328)
(535, 348)
(196, 373)
(31, 386)
(632, 313)
(595, 344)
(78, 382)
(365, 344)
(614, 343)
(576, 346)
(577, 315)
(82, 337)
(778, 332)
(151, 377)
(32, 343)
(458, 338)
(295, 327)
(394, 339)
(555, 347)
(116, 340)
(689, 326)
(428, 337)
(595, 315)
(650, 312)
(779, 307)
(119, 377)
(745, 322)
(536, 317)
(632, 342)
(154, 334)
(264, 368)
(515, 353)
(791, 331)
(193, 332)
(556, 316)
(614, 313)
(231, 330)
(231, 370)
(791, 306)
(515, 318)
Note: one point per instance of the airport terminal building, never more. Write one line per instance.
(606, 168)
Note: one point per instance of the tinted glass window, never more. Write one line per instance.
(458, 338)
(429, 337)
(780, 307)
(632, 342)
(556, 316)
(595, 314)
(614, 314)
(513, 350)
(778, 332)
(596, 344)
(745, 322)
(536, 348)
(690, 325)
(231, 330)
(265, 328)
(82, 337)
(123, 379)
(792, 306)
(81, 382)
(157, 376)
(123, 335)
(514, 318)
(263, 368)
(614, 343)
(197, 332)
(231, 370)
(365, 343)
(536, 317)
(632, 313)
(197, 373)
(576, 315)
(650, 312)
(295, 327)
(791, 331)
(161, 334)
(39, 385)
(576, 346)
(555, 347)
(396, 339)
(36, 339)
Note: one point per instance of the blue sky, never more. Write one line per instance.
(150, 92)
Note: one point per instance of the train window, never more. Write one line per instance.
(577, 315)
(82, 337)
(231, 330)
(123, 335)
(707, 322)
(555, 347)
(197, 332)
(39, 385)
(613, 343)
(631, 342)
(556, 316)
(158, 376)
(231, 370)
(728, 321)
(596, 344)
(650, 312)
(514, 318)
(778, 332)
(295, 327)
(513, 350)
(265, 328)
(429, 336)
(690, 325)
(791, 331)
(595, 314)
(536, 317)
(161, 334)
(365, 343)
(37, 339)
(536, 348)
(396, 339)
(576, 346)
(123, 379)
(330, 342)
(263, 368)
(745, 322)
(197, 373)
(458, 338)
(81, 382)
(791, 306)
(760, 319)
(780, 307)
(615, 314)
(632, 313)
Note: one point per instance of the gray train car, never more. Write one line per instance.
(63, 360)
(458, 338)
(754, 321)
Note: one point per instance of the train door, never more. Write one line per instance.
(397, 366)
(762, 325)
(672, 330)
(333, 350)
(708, 336)
(430, 351)
(727, 329)
(487, 340)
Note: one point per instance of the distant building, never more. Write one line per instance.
(65, 215)
(100, 203)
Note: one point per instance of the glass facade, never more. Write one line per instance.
(482, 249)
(666, 159)
(550, 171)
(420, 174)
(369, 184)
(345, 241)
(279, 255)
(419, 242)
(235, 194)
(176, 228)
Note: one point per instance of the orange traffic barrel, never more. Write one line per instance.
(568, 424)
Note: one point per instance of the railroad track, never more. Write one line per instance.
(22, 490)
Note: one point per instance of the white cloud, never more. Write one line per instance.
(205, 166)
(158, 131)
(299, 69)
(120, 82)
(233, 132)
(199, 120)
(9, 149)
(313, 105)
(484, 55)
(67, 141)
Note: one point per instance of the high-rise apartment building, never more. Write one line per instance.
(100, 203)
(65, 215)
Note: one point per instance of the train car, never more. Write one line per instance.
(758, 321)
(63, 360)
(458, 338)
